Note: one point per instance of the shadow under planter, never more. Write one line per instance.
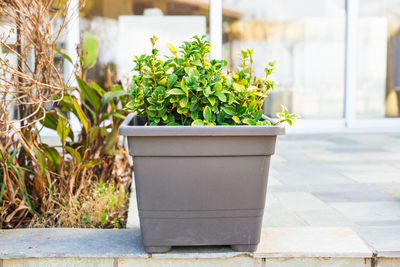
(200, 185)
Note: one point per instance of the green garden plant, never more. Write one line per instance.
(189, 89)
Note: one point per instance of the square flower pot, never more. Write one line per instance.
(200, 185)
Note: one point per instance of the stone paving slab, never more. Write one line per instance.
(311, 188)
(286, 242)
(200, 252)
(275, 214)
(60, 262)
(70, 242)
(311, 178)
(380, 167)
(385, 262)
(385, 240)
(311, 210)
(192, 262)
(369, 176)
(353, 196)
(369, 211)
(320, 262)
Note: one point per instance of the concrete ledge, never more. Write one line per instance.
(300, 246)
(71, 243)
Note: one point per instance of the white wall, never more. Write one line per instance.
(134, 33)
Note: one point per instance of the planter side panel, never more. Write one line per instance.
(201, 183)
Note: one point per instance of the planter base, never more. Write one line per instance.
(244, 248)
(163, 249)
(150, 249)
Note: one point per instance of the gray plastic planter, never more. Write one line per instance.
(200, 185)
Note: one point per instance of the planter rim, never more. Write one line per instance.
(126, 129)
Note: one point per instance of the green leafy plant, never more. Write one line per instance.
(97, 141)
(189, 89)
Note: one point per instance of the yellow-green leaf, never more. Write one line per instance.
(171, 48)
(217, 87)
(236, 119)
(184, 101)
(81, 116)
(197, 123)
(75, 154)
(62, 130)
(183, 87)
(90, 50)
(207, 113)
(175, 91)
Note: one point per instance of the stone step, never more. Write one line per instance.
(279, 246)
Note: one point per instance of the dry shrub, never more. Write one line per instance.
(34, 80)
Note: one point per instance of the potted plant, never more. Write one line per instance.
(201, 148)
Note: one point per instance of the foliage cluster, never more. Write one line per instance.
(187, 88)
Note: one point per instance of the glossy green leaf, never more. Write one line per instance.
(75, 154)
(258, 115)
(184, 88)
(63, 55)
(107, 97)
(229, 110)
(171, 80)
(50, 121)
(111, 140)
(98, 89)
(92, 162)
(118, 115)
(95, 131)
(212, 100)
(53, 157)
(207, 91)
(221, 96)
(90, 50)
(41, 159)
(207, 113)
(249, 121)
(217, 87)
(89, 94)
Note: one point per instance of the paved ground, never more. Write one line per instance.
(337, 180)
(333, 181)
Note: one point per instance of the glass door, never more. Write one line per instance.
(306, 38)
(378, 59)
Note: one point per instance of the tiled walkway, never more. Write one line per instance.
(337, 180)
(323, 188)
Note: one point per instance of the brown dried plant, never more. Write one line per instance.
(29, 79)
(33, 174)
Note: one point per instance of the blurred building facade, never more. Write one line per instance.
(338, 61)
